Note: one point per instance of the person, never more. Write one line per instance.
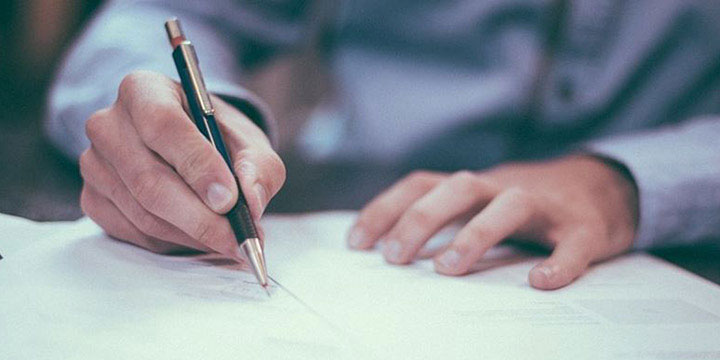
(586, 126)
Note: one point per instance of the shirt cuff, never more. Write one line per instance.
(676, 178)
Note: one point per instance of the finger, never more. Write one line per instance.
(451, 198)
(382, 212)
(238, 127)
(108, 216)
(261, 174)
(166, 129)
(156, 186)
(101, 177)
(568, 261)
(502, 217)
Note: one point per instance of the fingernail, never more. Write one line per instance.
(392, 251)
(248, 170)
(218, 196)
(546, 271)
(357, 237)
(540, 276)
(449, 259)
(261, 196)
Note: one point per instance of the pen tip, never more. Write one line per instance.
(267, 291)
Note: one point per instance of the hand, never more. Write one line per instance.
(578, 205)
(152, 179)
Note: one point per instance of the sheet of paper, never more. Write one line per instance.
(82, 295)
(79, 294)
(17, 232)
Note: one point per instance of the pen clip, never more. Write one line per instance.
(196, 80)
(187, 51)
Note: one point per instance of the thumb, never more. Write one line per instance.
(566, 263)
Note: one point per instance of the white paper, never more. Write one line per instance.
(77, 294)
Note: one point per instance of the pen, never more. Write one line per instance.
(203, 114)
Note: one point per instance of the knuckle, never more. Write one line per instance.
(418, 216)
(465, 176)
(206, 233)
(133, 81)
(519, 197)
(129, 85)
(418, 177)
(484, 181)
(472, 183)
(240, 157)
(165, 111)
(194, 164)
(464, 180)
(271, 171)
(476, 232)
(150, 226)
(146, 187)
(117, 190)
(158, 118)
(96, 125)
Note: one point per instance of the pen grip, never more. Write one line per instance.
(240, 218)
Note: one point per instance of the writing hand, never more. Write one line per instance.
(152, 179)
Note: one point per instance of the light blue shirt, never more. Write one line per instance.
(451, 85)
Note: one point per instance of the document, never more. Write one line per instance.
(75, 293)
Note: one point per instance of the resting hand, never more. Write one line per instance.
(152, 179)
(579, 206)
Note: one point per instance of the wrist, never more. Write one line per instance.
(619, 187)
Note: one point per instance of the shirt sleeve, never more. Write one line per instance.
(677, 172)
(129, 35)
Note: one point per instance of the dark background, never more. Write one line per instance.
(36, 182)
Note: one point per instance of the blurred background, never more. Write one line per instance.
(36, 182)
